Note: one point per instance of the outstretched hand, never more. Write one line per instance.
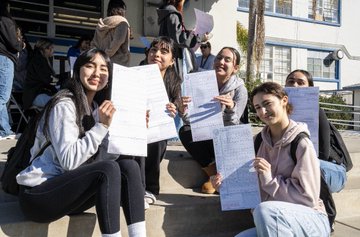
(171, 108)
(106, 112)
(185, 101)
(216, 181)
(225, 100)
(262, 166)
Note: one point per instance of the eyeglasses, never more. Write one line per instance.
(203, 46)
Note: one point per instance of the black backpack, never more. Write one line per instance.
(338, 150)
(18, 157)
(325, 194)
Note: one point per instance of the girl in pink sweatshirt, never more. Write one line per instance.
(289, 192)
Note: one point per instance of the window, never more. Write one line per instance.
(316, 66)
(70, 20)
(324, 10)
(276, 64)
(274, 6)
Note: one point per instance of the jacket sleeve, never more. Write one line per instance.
(178, 34)
(8, 35)
(303, 186)
(120, 35)
(71, 150)
(233, 115)
(324, 136)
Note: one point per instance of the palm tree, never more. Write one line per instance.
(256, 38)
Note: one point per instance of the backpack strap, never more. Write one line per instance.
(257, 142)
(294, 144)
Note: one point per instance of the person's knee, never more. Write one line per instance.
(263, 211)
(109, 167)
(129, 167)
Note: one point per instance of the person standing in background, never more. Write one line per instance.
(170, 20)
(112, 33)
(10, 45)
(82, 45)
(205, 61)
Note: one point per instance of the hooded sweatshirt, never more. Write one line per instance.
(235, 87)
(170, 22)
(288, 182)
(113, 36)
(9, 43)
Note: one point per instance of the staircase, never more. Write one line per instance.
(181, 210)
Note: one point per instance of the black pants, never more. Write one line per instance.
(105, 184)
(202, 151)
(156, 152)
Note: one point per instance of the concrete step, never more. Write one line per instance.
(14, 224)
(180, 210)
(349, 227)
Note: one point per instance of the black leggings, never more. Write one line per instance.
(104, 184)
(155, 154)
(202, 151)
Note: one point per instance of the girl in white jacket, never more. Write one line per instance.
(75, 172)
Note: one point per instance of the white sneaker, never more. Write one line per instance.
(9, 137)
(149, 198)
(146, 205)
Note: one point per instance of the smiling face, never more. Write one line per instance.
(270, 109)
(94, 74)
(161, 55)
(297, 79)
(224, 64)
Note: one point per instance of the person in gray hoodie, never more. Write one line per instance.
(112, 34)
(233, 98)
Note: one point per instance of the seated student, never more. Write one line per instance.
(162, 53)
(21, 65)
(82, 45)
(205, 61)
(233, 98)
(289, 192)
(40, 76)
(75, 172)
(335, 175)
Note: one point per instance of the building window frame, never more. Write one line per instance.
(283, 7)
(324, 10)
(316, 65)
(243, 7)
(276, 63)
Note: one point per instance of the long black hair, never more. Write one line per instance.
(171, 78)
(305, 73)
(74, 90)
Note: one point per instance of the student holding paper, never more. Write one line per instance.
(335, 174)
(233, 98)
(289, 192)
(74, 172)
(162, 53)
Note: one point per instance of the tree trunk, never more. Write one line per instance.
(250, 72)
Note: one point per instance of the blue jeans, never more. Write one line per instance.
(334, 174)
(6, 81)
(275, 218)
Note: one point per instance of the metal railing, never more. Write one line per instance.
(343, 109)
(329, 109)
